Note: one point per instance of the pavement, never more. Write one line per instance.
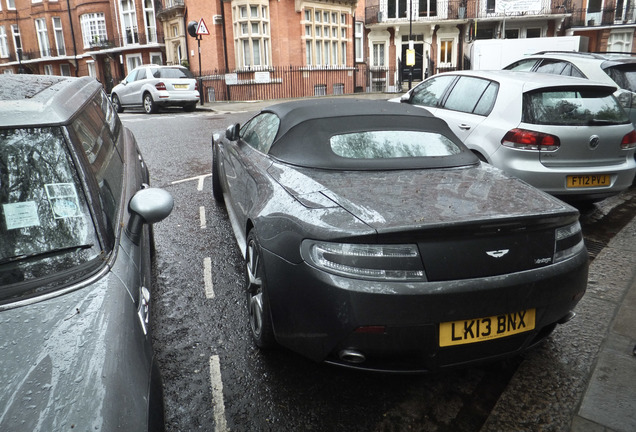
(591, 383)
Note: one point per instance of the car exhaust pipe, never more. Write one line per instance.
(351, 356)
(566, 318)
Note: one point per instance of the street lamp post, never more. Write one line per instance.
(411, 40)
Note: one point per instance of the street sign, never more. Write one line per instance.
(410, 57)
(202, 29)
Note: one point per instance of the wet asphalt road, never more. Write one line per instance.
(216, 380)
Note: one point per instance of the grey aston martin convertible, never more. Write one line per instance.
(374, 239)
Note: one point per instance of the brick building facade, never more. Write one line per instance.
(263, 48)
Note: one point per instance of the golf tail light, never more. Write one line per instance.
(522, 139)
(568, 241)
(366, 261)
(160, 86)
(629, 141)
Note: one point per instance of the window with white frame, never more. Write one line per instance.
(59, 36)
(252, 34)
(378, 54)
(17, 40)
(36, 1)
(91, 69)
(11, 4)
(359, 41)
(150, 21)
(65, 69)
(4, 46)
(43, 37)
(446, 52)
(132, 61)
(398, 8)
(93, 29)
(156, 58)
(48, 69)
(129, 22)
(325, 37)
(620, 41)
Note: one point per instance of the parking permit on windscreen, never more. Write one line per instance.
(21, 215)
(63, 200)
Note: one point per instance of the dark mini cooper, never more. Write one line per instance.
(75, 262)
(373, 238)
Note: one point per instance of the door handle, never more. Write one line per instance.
(464, 126)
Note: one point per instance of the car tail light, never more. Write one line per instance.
(160, 86)
(629, 141)
(568, 241)
(522, 139)
(196, 86)
(366, 261)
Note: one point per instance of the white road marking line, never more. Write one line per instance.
(197, 178)
(217, 395)
(207, 278)
(202, 216)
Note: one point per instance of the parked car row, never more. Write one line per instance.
(383, 236)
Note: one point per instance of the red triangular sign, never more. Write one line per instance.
(202, 29)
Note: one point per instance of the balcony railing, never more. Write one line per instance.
(456, 10)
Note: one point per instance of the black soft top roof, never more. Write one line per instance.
(307, 125)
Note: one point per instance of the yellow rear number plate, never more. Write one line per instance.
(483, 329)
(181, 86)
(582, 181)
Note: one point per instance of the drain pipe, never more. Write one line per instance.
(70, 21)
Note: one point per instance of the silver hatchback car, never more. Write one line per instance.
(154, 86)
(567, 136)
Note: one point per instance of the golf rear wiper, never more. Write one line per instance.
(599, 122)
(57, 251)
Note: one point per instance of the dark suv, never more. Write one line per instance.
(75, 261)
(616, 69)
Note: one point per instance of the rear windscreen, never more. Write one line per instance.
(624, 76)
(172, 73)
(576, 107)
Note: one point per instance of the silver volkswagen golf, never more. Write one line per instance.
(75, 262)
(567, 136)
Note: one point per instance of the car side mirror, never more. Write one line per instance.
(147, 206)
(232, 132)
(406, 97)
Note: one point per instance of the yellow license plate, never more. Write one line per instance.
(583, 181)
(181, 86)
(483, 329)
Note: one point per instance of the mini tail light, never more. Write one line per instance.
(522, 139)
(160, 86)
(629, 141)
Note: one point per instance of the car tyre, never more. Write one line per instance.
(217, 192)
(190, 107)
(257, 300)
(117, 103)
(150, 107)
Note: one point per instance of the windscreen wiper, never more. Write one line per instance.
(57, 251)
(599, 122)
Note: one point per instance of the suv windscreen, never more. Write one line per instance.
(45, 224)
(575, 107)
